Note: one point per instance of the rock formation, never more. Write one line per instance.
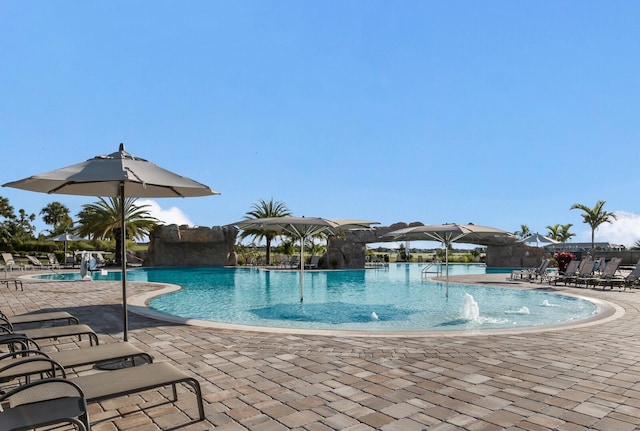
(174, 245)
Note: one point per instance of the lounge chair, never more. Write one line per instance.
(570, 272)
(53, 332)
(112, 384)
(607, 274)
(376, 261)
(284, 260)
(533, 273)
(9, 262)
(40, 317)
(42, 403)
(69, 260)
(36, 262)
(53, 261)
(313, 262)
(16, 282)
(15, 365)
(585, 274)
(127, 381)
(541, 272)
(100, 260)
(627, 281)
(15, 342)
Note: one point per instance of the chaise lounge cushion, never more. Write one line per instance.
(112, 384)
(59, 331)
(13, 365)
(43, 403)
(38, 317)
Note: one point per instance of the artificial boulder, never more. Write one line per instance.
(174, 245)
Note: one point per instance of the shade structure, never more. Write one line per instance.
(66, 237)
(120, 175)
(450, 233)
(537, 240)
(302, 228)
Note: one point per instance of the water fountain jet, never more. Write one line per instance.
(470, 309)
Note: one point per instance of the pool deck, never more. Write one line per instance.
(575, 378)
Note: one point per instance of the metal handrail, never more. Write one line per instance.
(427, 269)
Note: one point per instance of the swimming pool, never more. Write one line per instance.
(393, 299)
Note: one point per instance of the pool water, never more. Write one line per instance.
(393, 299)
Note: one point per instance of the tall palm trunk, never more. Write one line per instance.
(118, 254)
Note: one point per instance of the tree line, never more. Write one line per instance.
(592, 216)
(95, 221)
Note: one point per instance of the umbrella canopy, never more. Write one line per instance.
(450, 233)
(302, 228)
(121, 175)
(537, 240)
(107, 175)
(66, 237)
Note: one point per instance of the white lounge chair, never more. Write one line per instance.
(53, 261)
(9, 262)
(36, 262)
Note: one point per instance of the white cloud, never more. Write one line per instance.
(624, 230)
(173, 215)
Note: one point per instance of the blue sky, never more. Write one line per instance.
(496, 112)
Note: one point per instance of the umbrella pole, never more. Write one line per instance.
(123, 261)
(301, 268)
(446, 266)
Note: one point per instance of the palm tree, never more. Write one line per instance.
(265, 209)
(594, 217)
(554, 232)
(560, 232)
(523, 232)
(564, 234)
(57, 215)
(101, 220)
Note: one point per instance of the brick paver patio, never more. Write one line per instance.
(569, 379)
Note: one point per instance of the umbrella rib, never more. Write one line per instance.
(144, 183)
(176, 192)
(54, 190)
(129, 170)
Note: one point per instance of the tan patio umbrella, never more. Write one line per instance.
(302, 228)
(450, 233)
(66, 237)
(120, 175)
